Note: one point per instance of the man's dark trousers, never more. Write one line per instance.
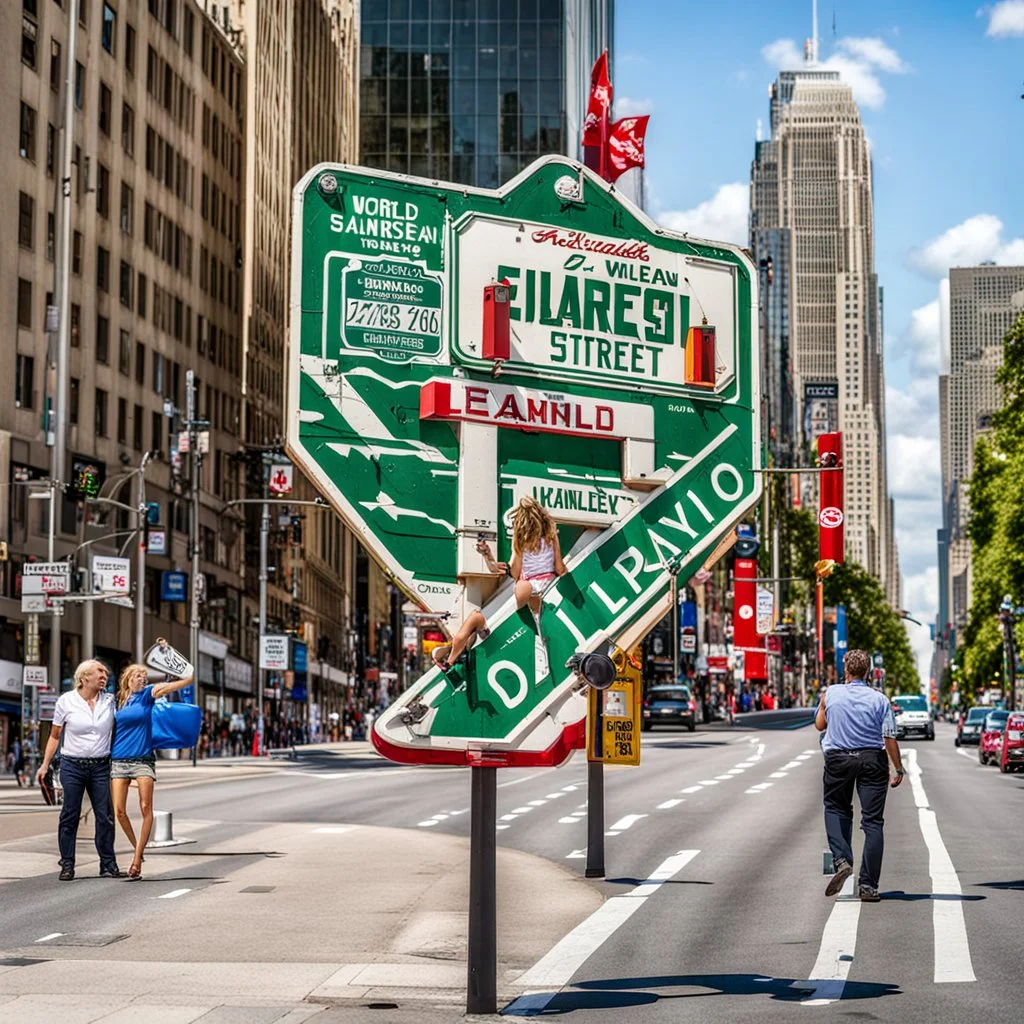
(79, 776)
(867, 770)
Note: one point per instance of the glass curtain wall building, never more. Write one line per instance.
(474, 90)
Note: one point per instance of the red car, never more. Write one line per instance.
(991, 744)
(1011, 756)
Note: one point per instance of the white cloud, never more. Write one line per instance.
(1006, 19)
(914, 465)
(922, 338)
(920, 598)
(967, 244)
(723, 217)
(914, 410)
(627, 106)
(859, 60)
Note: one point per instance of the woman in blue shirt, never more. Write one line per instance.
(132, 752)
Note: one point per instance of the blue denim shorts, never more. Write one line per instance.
(133, 768)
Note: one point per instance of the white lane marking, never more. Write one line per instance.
(835, 955)
(802, 757)
(576, 854)
(763, 785)
(578, 814)
(501, 826)
(554, 796)
(808, 752)
(736, 771)
(669, 804)
(723, 778)
(525, 778)
(336, 830)
(753, 791)
(428, 824)
(537, 803)
(792, 764)
(52, 935)
(612, 833)
(952, 950)
(440, 817)
(508, 817)
(557, 967)
(568, 821)
(623, 823)
(709, 782)
(173, 894)
(691, 789)
(760, 749)
(778, 775)
(745, 764)
(970, 757)
(569, 789)
(521, 810)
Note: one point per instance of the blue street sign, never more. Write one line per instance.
(688, 615)
(153, 512)
(840, 639)
(174, 586)
(299, 658)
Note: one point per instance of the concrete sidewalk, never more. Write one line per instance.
(338, 920)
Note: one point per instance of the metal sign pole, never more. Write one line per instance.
(482, 968)
(595, 818)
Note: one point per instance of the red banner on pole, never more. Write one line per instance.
(830, 498)
(595, 124)
(626, 145)
(744, 601)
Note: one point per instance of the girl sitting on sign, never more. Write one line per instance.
(536, 561)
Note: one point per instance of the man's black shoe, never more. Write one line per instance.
(869, 894)
(67, 875)
(116, 873)
(843, 872)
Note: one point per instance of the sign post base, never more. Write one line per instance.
(595, 820)
(482, 968)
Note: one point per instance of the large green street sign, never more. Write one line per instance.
(424, 443)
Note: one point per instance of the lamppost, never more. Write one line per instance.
(1008, 614)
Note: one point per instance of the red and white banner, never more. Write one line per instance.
(626, 145)
(744, 604)
(595, 124)
(830, 497)
(502, 405)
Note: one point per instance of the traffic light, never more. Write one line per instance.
(296, 529)
(87, 478)
(747, 544)
(323, 645)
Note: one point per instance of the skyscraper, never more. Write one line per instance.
(811, 215)
(474, 90)
(983, 304)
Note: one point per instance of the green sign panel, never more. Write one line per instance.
(425, 442)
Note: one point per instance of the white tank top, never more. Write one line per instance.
(540, 562)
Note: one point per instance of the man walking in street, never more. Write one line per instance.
(859, 742)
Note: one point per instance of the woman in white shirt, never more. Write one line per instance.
(84, 718)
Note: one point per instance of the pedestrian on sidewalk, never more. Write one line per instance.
(83, 724)
(132, 753)
(860, 731)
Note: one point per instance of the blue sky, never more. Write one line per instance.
(939, 87)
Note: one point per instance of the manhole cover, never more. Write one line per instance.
(259, 888)
(84, 939)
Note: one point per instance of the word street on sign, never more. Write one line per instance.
(454, 349)
(613, 720)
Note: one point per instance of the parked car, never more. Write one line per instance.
(1011, 756)
(912, 716)
(669, 705)
(990, 746)
(968, 730)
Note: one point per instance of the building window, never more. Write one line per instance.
(73, 403)
(28, 43)
(51, 149)
(128, 129)
(102, 191)
(27, 135)
(143, 292)
(24, 382)
(127, 208)
(76, 325)
(79, 85)
(102, 269)
(129, 49)
(124, 354)
(108, 30)
(51, 232)
(122, 421)
(26, 220)
(157, 433)
(158, 373)
(24, 303)
(54, 65)
(76, 252)
(127, 278)
(106, 100)
(140, 363)
(137, 428)
(103, 340)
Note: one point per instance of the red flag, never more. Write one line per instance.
(830, 498)
(626, 145)
(595, 124)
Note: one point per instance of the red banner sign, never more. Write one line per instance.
(830, 497)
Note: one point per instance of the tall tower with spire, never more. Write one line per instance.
(811, 214)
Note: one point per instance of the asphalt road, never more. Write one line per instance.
(716, 909)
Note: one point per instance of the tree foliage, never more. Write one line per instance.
(996, 523)
(872, 625)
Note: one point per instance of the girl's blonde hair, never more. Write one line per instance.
(84, 668)
(531, 525)
(123, 689)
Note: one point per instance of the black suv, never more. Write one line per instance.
(669, 705)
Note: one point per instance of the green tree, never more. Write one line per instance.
(872, 625)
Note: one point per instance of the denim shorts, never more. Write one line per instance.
(133, 768)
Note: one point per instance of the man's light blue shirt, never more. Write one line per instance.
(856, 716)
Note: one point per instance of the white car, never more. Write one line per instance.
(912, 716)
